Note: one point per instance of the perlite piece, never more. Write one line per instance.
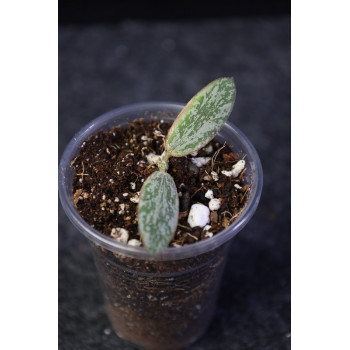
(214, 204)
(236, 169)
(200, 161)
(199, 215)
(120, 234)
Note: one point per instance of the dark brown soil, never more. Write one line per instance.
(112, 166)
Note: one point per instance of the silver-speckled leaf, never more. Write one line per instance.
(201, 118)
(158, 211)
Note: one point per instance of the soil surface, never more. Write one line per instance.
(112, 166)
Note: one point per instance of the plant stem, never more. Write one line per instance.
(163, 163)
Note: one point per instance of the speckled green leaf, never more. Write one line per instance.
(158, 211)
(201, 118)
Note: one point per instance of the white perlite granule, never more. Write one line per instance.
(214, 204)
(214, 175)
(209, 149)
(121, 209)
(135, 199)
(236, 169)
(209, 194)
(206, 228)
(200, 161)
(226, 172)
(152, 158)
(206, 231)
(134, 242)
(199, 215)
(120, 234)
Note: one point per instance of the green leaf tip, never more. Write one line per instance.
(158, 211)
(201, 118)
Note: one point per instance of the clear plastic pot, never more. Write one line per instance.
(165, 302)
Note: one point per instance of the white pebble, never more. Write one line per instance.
(151, 297)
(144, 138)
(134, 242)
(199, 215)
(200, 161)
(120, 235)
(207, 178)
(214, 175)
(208, 149)
(107, 331)
(116, 199)
(132, 185)
(135, 199)
(121, 209)
(158, 133)
(152, 158)
(237, 186)
(214, 204)
(209, 194)
(208, 234)
(125, 194)
(226, 172)
(238, 167)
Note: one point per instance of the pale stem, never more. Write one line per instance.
(163, 163)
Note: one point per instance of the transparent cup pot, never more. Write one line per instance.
(166, 302)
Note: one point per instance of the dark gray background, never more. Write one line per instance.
(102, 67)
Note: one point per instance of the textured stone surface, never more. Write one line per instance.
(104, 67)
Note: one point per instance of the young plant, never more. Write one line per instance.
(196, 125)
